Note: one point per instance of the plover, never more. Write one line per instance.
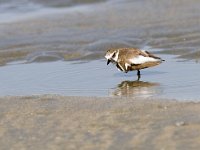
(130, 59)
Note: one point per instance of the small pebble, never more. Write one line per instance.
(180, 123)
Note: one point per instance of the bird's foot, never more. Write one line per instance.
(138, 74)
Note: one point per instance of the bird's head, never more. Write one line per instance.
(112, 55)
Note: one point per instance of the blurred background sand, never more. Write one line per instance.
(40, 30)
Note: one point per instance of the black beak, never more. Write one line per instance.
(108, 61)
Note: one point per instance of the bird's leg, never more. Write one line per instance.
(138, 74)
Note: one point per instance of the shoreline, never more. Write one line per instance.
(56, 122)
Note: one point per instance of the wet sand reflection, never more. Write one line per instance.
(136, 89)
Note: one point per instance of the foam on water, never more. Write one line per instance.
(12, 10)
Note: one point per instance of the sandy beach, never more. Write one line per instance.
(56, 122)
(55, 49)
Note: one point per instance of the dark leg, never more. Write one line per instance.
(138, 74)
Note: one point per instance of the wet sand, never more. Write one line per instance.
(55, 122)
(86, 32)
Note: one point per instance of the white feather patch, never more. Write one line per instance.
(116, 56)
(127, 65)
(141, 59)
(121, 67)
(108, 56)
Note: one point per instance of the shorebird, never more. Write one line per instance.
(130, 59)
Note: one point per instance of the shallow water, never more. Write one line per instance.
(63, 34)
(174, 78)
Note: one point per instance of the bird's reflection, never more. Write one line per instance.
(136, 89)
